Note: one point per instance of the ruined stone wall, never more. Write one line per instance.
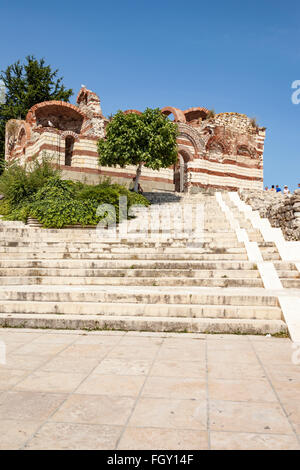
(223, 151)
(229, 153)
(282, 210)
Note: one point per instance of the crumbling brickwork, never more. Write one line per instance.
(223, 151)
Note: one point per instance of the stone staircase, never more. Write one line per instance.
(199, 279)
(287, 272)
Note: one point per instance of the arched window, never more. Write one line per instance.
(22, 138)
(215, 151)
(243, 150)
(69, 144)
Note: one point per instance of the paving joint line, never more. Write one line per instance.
(67, 395)
(276, 394)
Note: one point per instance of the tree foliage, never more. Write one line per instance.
(27, 84)
(147, 139)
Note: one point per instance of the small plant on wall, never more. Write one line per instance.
(211, 114)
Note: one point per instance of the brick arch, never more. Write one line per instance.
(185, 153)
(31, 115)
(244, 141)
(191, 134)
(177, 113)
(218, 140)
(192, 114)
(22, 137)
(246, 150)
(70, 134)
(132, 111)
(24, 130)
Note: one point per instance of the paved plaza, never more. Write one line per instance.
(128, 390)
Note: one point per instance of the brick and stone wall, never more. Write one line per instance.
(282, 210)
(223, 151)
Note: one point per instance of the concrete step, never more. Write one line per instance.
(142, 244)
(146, 247)
(206, 255)
(270, 256)
(122, 251)
(135, 294)
(142, 240)
(141, 309)
(291, 283)
(294, 274)
(125, 273)
(163, 249)
(135, 281)
(68, 274)
(284, 266)
(131, 323)
(218, 264)
(115, 237)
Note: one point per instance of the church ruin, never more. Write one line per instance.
(222, 151)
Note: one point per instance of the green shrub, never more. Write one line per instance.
(136, 198)
(5, 207)
(58, 212)
(54, 202)
(18, 183)
(21, 213)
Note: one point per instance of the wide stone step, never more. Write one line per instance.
(284, 266)
(123, 249)
(291, 283)
(141, 309)
(217, 255)
(141, 244)
(291, 274)
(82, 274)
(125, 239)
(162, 249)
(135, 281)
(132, 323)
(147, 295)
(270, 256)
(128, 264)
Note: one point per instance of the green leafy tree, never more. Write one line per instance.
(27, 84)
(147, 139)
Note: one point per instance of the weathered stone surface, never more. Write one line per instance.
(282, 210)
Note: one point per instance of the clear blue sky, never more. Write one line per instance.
(232, 55)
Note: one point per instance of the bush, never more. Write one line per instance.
(5, 207)
(21, 213)
(61, 203)
(19, 183)
(54, 202)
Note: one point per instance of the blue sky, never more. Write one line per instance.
(229, 56)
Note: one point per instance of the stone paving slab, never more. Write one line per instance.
(137, 390)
